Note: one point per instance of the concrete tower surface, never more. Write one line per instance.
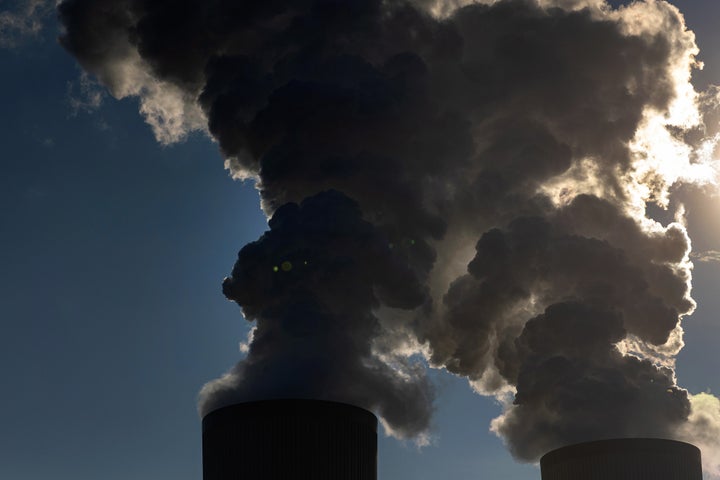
(290, 440)
(623, 459)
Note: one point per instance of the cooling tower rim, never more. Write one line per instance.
(615, 445)
(289, 407)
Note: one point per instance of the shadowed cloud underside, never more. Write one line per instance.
(463, 186)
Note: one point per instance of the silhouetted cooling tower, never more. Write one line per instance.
(290, 439)
(624, 459)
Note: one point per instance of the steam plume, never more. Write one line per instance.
(387, 138)
(311, 283)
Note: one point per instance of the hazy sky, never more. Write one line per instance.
(113, 249)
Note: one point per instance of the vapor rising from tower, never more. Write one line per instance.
(463, 183)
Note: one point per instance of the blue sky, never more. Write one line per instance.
(113, 249)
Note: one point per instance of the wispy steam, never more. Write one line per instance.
(707, 256)
(387, 138)
(23, 20)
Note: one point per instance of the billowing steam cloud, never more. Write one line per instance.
(311, 283)
(389, 138)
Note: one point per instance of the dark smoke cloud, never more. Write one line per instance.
(570, 368)
(386, 138)
(535, 262)
(310, 283)
(564, 363)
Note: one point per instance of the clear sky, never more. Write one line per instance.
(112, 253)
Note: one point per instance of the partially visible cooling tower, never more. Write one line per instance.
(290, 440)
(624, 459)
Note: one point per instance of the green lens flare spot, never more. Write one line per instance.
(276, 268)
(286, 266)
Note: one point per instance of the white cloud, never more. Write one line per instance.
(171, 112)
(703, 430)
(706, 256)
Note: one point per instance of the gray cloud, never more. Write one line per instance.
(570, 368)
(310, 283)
(386, 138)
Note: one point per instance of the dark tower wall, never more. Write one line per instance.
(290, 440)
(624, 459)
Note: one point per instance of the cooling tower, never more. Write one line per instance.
(623, 459)
(290, 439)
